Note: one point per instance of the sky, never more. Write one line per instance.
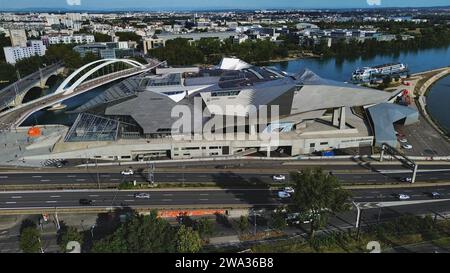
(213, 4)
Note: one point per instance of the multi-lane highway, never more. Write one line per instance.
(189, 197)
(218, 176)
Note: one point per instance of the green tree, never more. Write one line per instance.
(102, 38)
(128, 36)
(29, 65)
(4, 42)
(140, 234)
(318, 194)
(188, 240)
(243, 223)
(278, 219)
(7, 74)
(67, 234)
(204, 227)
(30, 240)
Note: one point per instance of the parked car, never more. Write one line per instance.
(127, 172)
(402, 196)
(289, 190)
(283, 194)
(407, 146)
(435, 195)
(142, 195)
(278, 177)
(85, 202)
(403, 140)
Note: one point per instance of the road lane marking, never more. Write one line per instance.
(45, 180)
(3, 177)
(115, 179)
(167, 200)
(71, 176)
(203, 199)
(93, 195)
(81, 179)
(37, 176)
(167, 194)
(51, 201)
(105, 175)
(55, 196)
(204, 193)
(16, 197)
(10, 202)
(128, 200)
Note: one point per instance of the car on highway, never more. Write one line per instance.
(283, 194)
(435, 195)
(406, 179)
(127, 172)
(407, 146)
(85, 201)
(142, 195)
(402, 196)
(289, 190)
(279, 177)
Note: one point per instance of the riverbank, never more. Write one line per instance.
(293, 57)
(422, 87)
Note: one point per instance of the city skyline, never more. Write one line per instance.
(202, 5)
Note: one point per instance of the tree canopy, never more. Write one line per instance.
(146, 234)
(30, 240)
(188, 240)
(317, 194)
(67, 234)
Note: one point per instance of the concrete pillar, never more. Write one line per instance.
(413, 179)
(336, 115)
(342, 119)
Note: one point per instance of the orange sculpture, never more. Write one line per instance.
(34, 132)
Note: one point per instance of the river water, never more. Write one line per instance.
(335, 69)
(438, 102)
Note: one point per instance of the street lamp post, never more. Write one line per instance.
(358, 219)
(98, 175)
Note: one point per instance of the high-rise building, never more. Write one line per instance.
(18, 37)
(17, 53)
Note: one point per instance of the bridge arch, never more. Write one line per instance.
(99, 64)
(32, 94)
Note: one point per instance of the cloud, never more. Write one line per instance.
(373, 2)
(78, 2)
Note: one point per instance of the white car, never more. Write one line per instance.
(289, 190)
(407, 146)
(278, 177)
(283, 194)
(402, 196)
(403, 140)
(127, 172)
(406, 179)
(142, 195)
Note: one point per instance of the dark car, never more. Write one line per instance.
(85, 202)
(435, 195)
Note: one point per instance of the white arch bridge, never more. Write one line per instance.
(93, 68)
(85, 78)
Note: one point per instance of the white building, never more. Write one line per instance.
(15, 54)
(68, 39)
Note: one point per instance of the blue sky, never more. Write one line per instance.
(205, 4)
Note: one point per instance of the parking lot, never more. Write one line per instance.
(425, 140)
